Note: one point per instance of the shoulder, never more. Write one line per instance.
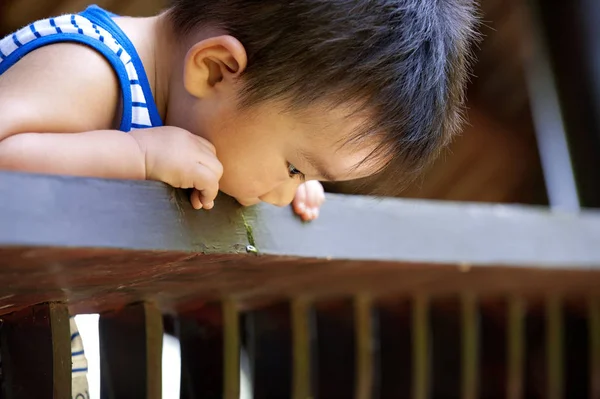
(62, 87)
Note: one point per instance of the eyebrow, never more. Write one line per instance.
(318, 165)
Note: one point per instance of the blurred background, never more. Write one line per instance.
(533, 127)
(513, 109)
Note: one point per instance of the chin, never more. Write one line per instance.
(247, 201)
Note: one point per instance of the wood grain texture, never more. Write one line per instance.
(102, 244)
(36, 352)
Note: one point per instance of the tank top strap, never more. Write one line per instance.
(95, 28)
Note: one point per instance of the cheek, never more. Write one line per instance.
(248, 178)
(251, 158)
(238, 187)
(243, 176)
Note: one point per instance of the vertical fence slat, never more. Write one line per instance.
(470, 346)
(301, 349)
(420, 338)
(594, 337)
(231, 350)
(36, 352)
(154, 346)
(363, 327)
(516, 347)
(554, 348)
(131, 352)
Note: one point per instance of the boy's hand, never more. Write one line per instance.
(309, 198)
(182, 160)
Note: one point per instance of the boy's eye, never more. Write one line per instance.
(294, 172)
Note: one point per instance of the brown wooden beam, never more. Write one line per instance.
(53, 211)
(103, 244)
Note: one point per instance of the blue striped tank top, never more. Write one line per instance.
(95, 28)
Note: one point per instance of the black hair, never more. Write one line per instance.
(405, 62)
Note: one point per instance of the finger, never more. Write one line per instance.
(315, 198)
(315, 194)
(299, 202)
(195, 199)
(209, 159)
(204, 143)
(212, 163)
(207, 182)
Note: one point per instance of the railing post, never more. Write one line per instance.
(515, 331)
(555, 385)
(301, 331)
(421, 350)
(594, 342)
(36, 352)
(364, 344)
(470, 346)
(231, 349)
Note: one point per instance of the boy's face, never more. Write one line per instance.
(267, 152)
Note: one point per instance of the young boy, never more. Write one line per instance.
(257, 98)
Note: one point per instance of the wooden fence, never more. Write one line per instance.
(379, 298)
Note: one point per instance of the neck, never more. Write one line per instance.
(163, 56)
(154, 41)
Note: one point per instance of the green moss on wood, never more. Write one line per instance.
(249, 233)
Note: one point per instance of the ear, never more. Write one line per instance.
(213, 63)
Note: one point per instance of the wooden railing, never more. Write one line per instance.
(379, 298)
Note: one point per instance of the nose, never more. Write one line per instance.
(281, 195)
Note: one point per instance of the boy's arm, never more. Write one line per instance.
(56, 91)
(101, 153)
(57, 108)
